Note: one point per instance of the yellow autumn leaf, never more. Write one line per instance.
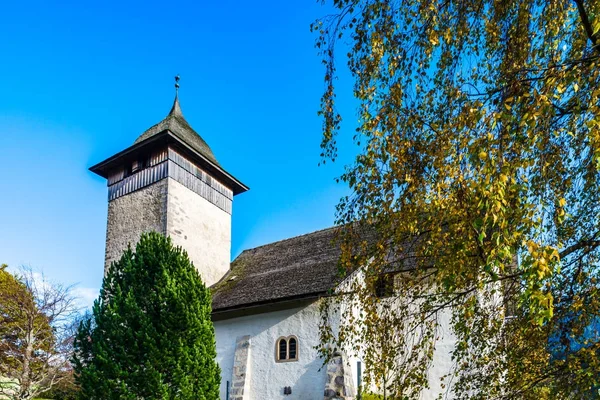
(562, 202)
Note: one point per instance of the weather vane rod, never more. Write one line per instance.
(177, 77)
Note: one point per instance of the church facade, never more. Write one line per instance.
(266, 302)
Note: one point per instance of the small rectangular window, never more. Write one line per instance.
(384, 287)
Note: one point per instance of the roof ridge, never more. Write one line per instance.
(289, 238)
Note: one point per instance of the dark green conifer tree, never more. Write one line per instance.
(151, 335)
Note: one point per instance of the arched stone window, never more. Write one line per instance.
(286, 349)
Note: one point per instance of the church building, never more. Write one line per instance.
(266, 302)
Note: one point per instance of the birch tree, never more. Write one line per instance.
(479, 138)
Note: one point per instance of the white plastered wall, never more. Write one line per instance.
(267, 378)
(442, 363)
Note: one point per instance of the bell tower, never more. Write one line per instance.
(169, 181)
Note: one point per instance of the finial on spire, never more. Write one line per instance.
(176, 109)
(177, 78)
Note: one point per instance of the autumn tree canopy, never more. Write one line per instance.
(479, 130)
(35, 344)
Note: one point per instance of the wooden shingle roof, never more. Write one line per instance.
(301, 267)
(176, 123)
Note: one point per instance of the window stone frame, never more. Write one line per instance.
(286, 339)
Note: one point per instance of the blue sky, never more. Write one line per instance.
(80, 81)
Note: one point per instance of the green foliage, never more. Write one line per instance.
(151, 334)
(479, 135)
(370, 396)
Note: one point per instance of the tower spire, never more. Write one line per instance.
(176, 109)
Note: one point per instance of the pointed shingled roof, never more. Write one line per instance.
(176, 124)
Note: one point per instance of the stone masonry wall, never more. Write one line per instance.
(239, 383)
(340, 384)
(129, 216)
(202, 229)
(168, 207)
